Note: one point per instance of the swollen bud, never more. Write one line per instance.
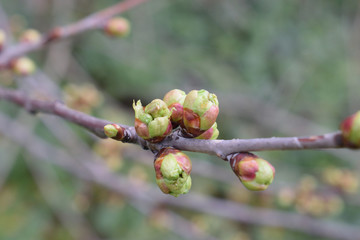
(152, 123)
(117, 27)
(175, 101)
(114, 131)
(350, 129)
(210, 134)
(255, 173)
(2, 39)
(23, 66)
(30, 36)
(172, 169)
(201, 109)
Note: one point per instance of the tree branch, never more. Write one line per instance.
(93, 21)
(194, 201)
(221, 148)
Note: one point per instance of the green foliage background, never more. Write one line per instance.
(279, 68)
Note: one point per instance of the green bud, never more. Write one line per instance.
(159, 127)
(255, 173)
(114, 131)
(350, 129)
(210, 134)
(152, 122)
(201, 109)
(158, 108)
(172, 169)
(174, 99)
(23, 66)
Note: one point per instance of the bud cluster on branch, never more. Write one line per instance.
(195, 115)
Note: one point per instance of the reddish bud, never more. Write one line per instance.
(172, 169)
(350, 129)
(255, 173)
(201, 109)
(175, 100)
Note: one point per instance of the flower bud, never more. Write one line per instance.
(255, 173)
(23, 66)
(152, 123)
(30, 36)
(117, 27)
(114, 131)
(201, 109)
(175, 101)
(172, 169)
(211, 133)
(2, 39)
(350, 129)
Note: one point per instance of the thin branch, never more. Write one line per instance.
(221, 148)
(93, 21)
(197, 202)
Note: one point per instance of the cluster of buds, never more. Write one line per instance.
(111, 152)
(82, 97)
(117, 27)
(307, 199)
(342, 179)
(152, 122)
(195, 113)
(172, 169)
(350, 129)
(255, 173)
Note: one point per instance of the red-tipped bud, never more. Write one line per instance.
(30, 36)
(350, 129)
(255, 173)
(201, 109)
(114, 131)
(23, 66)
(175, 101)
(172, 169)
(211, 133)
(152, 123)
(2, 39)
(117, 27)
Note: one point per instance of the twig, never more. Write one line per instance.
(149, 195)
(93, 21)
(221, 148)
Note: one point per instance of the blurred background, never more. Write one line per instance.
(279, 68)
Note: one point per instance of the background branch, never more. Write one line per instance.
(93, 21)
